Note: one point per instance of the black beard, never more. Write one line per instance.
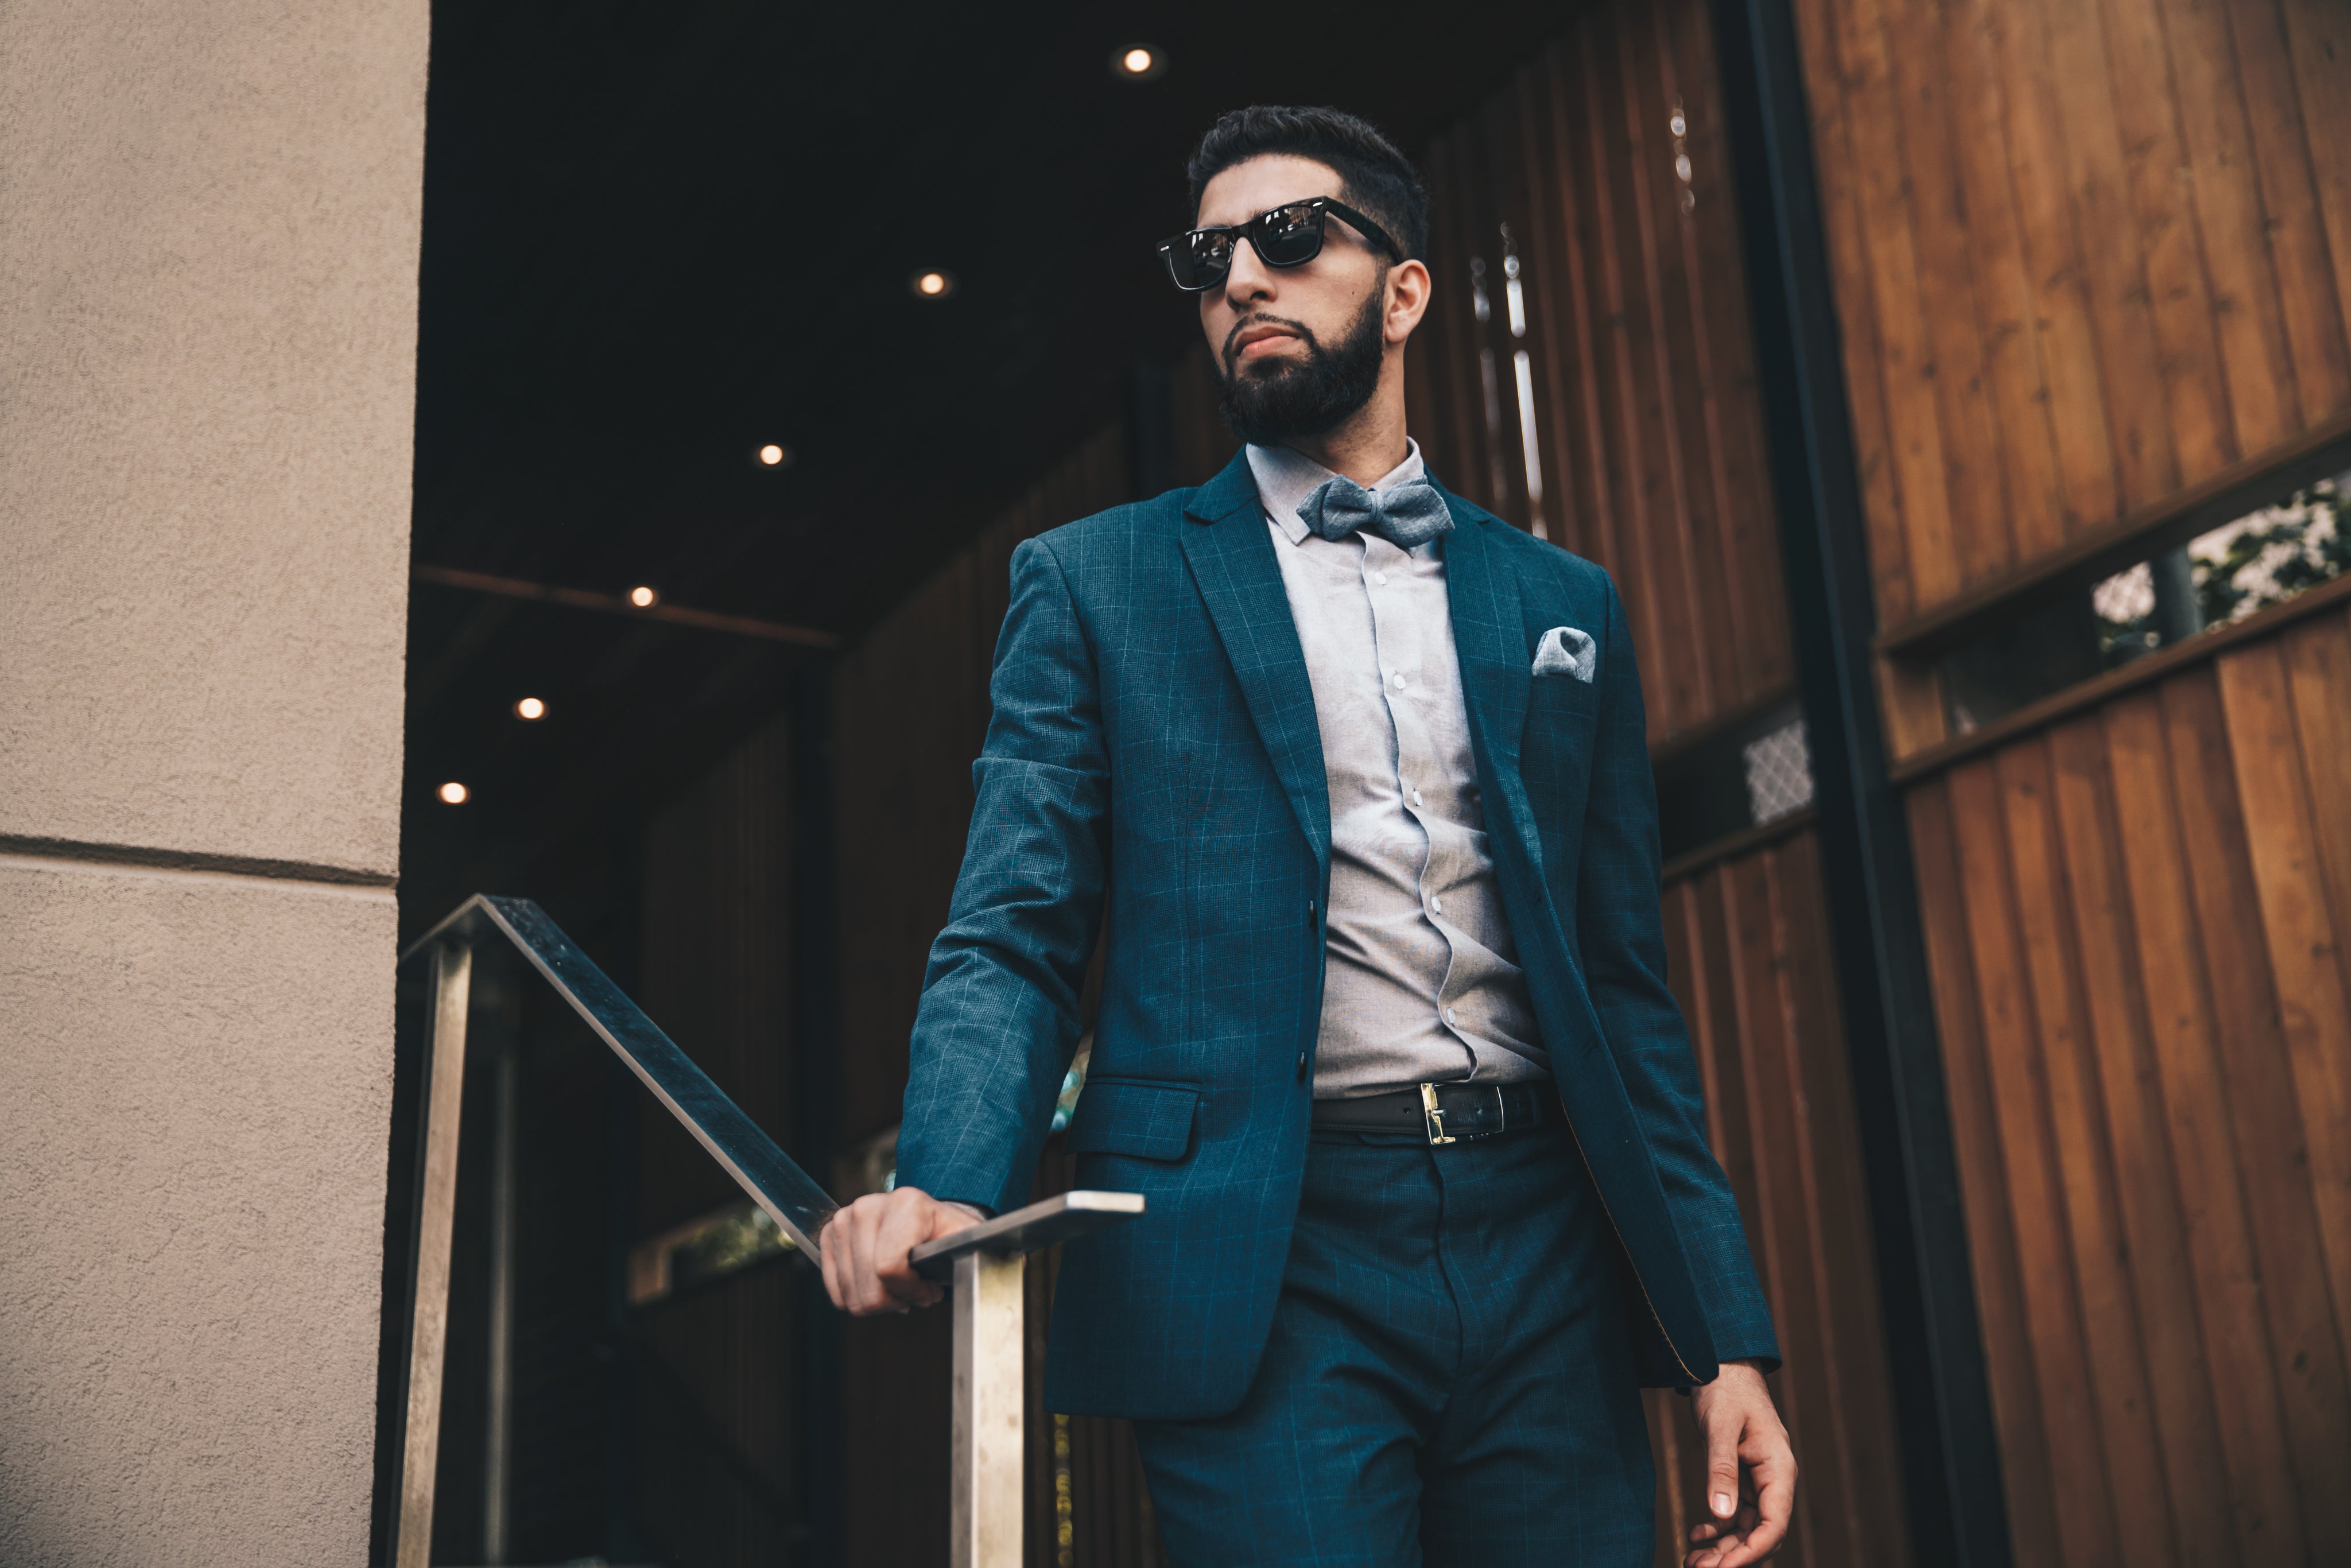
(1289, 399)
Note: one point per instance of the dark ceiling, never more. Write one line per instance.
(657, 236)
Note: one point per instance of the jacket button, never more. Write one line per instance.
(1310, 913)
(1302, 1065)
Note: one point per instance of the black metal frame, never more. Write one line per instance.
(1950, 1451)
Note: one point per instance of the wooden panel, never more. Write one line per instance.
(1748, 952)
(910, 706)
(716, 1471)
(1648, 433)
(2085, 253)
(2132, 921)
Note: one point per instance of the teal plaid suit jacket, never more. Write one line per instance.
(1152, 771)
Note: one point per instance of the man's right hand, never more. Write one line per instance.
(866, 1247)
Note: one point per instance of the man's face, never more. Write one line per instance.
(1298, 348)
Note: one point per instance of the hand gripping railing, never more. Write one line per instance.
(984, 1264)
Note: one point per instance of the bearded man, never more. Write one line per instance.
(1351, 776)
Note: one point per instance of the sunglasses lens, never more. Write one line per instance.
(1198, 259)
(1288, 235)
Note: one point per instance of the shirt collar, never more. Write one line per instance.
(1285, 478)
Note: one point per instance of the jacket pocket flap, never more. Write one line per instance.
(1126, 1116)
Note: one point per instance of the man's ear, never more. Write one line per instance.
(1407, 290)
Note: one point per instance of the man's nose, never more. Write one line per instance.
(1251, 281)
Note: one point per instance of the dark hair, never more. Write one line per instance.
(1373, 176)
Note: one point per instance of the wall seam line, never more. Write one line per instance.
(150, 858)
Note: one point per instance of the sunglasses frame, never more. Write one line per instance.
(1325, 208)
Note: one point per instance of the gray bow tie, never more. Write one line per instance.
(1407, 516)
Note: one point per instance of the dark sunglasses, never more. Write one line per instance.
(1288, 235)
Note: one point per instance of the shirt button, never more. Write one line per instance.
(1452, 1017)
(1416, 797)
(1437, 904)
(1399, 680)
(1380, 578)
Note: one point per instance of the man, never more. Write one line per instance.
(1359, 772)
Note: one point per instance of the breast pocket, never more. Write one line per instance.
(1555, 752)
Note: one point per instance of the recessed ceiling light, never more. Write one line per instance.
(530, 707)
(643, 598)
(934, 285)
(774, 456)
(454, 793)
(1138, 62)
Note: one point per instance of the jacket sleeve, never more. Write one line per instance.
(999, 1021)
(1621, 936)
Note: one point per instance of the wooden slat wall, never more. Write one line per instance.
(910, 702)
(2136, 921)
(1752, 971)
(716, 1471)
(2086, 252)
(1641, 359)
(910, 706)
(1650, 434)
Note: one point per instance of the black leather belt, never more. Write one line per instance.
(1442, 1113)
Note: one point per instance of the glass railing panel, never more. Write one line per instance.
(790, 1197)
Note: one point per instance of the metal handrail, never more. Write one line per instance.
(984, 1263)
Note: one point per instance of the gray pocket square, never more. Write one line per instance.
(1564, 651)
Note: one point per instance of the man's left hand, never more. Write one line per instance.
(1750, 1472)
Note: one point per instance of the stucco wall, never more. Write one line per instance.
(209, 220)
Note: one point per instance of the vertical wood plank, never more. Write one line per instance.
(2152, 1239)
(2304, 950)
(1622, 407)
(2318, 671)
(1571, 316)
(1820, 31)
(2191, 1082)
(1701, 604)
(1845, 1258)
(2171, 264)
(1973, 467)
(2261, 1095)
(2263, 403)
(2027, 1472)
(1822, 1520)
(1723, 349)
(2318, 40)
(2005, 295)
(1833, 1429)
(2135, 372)
(2297, 245)
(2040, 172)
(2118, 1365)
(2030, 1157)
(1640, 429)
(1906, 350)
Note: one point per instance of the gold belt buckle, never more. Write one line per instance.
(1434, 1115)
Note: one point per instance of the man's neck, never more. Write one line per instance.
(1366, 447)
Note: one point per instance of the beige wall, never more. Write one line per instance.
(209, 216)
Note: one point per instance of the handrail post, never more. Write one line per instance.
(988, 1266)
(436, 1211)
(990, 1390)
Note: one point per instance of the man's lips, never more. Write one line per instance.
(1259, 342)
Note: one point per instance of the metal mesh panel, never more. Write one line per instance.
(1779, 773)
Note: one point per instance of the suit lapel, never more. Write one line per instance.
(1489, 638)
(1230, 551)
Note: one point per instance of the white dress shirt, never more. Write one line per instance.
(1422, 983)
